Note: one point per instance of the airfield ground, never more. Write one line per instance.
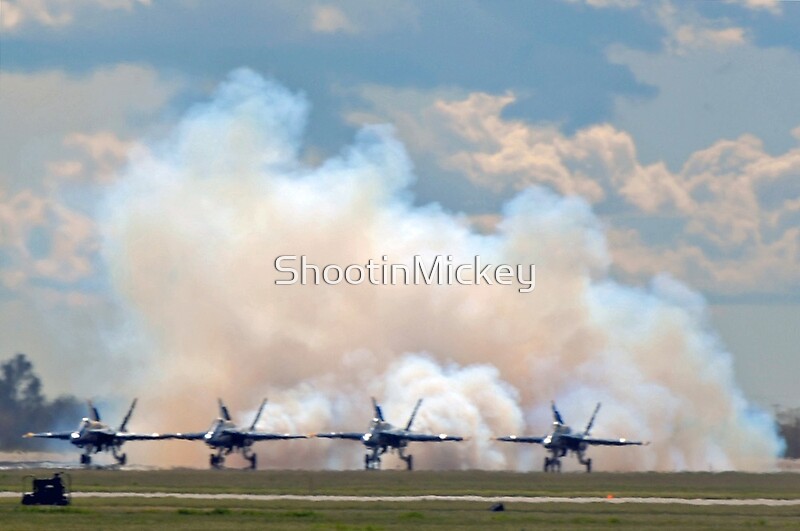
(314, 513)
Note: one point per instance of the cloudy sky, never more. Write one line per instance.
(678, 122)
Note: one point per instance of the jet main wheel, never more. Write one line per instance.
(588, 465)
(122, 459)
(371, 463)
(216, 461)
(409, 459)
(86, 459)
(552, 464)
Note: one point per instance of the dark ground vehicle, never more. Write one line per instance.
(47, 491)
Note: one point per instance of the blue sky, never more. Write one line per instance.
(678, 121)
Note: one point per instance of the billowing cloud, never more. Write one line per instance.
(686, 31)
(17, 13)
(601, 4)
(732, 207)
(191, 234)
(64, 137)
(330, 19)
(53, 122)
(345, 17)
(773, 6)
(686, 37)
(705, 88)
(103, 154)
(41, 239)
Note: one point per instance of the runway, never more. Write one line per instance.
(764, 502)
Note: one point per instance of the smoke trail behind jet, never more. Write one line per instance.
(192, 230)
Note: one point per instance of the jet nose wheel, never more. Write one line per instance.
(253, 459)
(216, 461)
(372, 463)
(552, 464)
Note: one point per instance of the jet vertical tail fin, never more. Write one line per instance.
(93, 413)
(413, 414)
(258, 415)
(591, 420)
(122, 427)
(556, 414)
(378, 410)
(223, 410)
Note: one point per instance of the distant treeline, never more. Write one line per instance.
(789, 425)
(24, 408)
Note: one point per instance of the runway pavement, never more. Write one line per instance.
(769, 502)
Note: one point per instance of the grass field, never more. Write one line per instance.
(138, 513)
(401, 483)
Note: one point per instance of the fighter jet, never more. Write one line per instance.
(226, 438)
(383, 436)
(563, 441)
(95, 436)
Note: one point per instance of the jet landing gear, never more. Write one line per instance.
(218, 460)
(552, 464)
(250, 457)
(86, 458)
(409, 459)
(586, 462)
(121, 458)
(372, 461)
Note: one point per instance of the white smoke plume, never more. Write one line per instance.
(192, 230)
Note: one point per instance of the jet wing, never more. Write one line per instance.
(125, 436)
(353, 436)
(429, 437)
(603, 442)
(65, 435)
(196, 436)
(514, 438)
(262, 436)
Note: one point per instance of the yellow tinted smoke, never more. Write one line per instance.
(194, 226)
